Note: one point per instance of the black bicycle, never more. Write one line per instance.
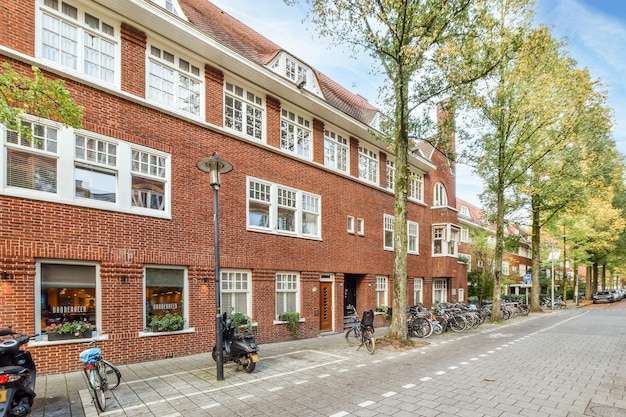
(362, 333)
(101, 374)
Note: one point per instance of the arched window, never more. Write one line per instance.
(440, 197)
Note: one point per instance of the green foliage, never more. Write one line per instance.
(384, 310)
(241, 322)
(74, 327)
(37, 96)
(293, 322)
(168, 322)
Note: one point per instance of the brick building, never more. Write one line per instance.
(113, 223)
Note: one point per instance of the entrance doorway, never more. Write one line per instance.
(349, 293)
(326, 306)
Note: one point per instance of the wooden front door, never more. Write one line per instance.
(326, 306)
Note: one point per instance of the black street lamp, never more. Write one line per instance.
(215, 166)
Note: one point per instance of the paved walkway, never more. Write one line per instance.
(187, 386)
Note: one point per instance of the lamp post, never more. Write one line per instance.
(214, 166)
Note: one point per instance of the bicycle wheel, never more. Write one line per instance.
(437, 328)
(353, 337)
(113, 374)
(96, 386)
(369, 342)
(457, 323)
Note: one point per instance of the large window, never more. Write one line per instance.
(295, 134)
(446, 239)
(295, 71)
(440, 290)
(107, 173)
(78, 39)
(149, 172)
(413, 237)
(418, 291)
(236, 292)
(279, 209)
(173, 82)
(368, 165)
(388, 228)
(381, 291)
(391, 174)
(335, 151)
(440, 197)
(243, 111)
(32, 162)
(287, 293)
(165, 294)
(67, 293)
(416, 187)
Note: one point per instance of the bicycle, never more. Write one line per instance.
(362, 334)
(97, 371)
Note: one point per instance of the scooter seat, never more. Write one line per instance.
(11, 369)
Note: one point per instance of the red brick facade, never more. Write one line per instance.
(123, 244)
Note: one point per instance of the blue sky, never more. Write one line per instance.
(595, 32)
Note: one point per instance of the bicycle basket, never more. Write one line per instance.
(368, 318)
(90, 355)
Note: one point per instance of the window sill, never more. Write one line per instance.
(151, 334)
(46, 342)
(302, 320)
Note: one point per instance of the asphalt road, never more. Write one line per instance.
(564, 363)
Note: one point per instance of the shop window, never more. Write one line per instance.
(165, 294)
(67, 294)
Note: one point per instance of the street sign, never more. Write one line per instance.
(527, 281)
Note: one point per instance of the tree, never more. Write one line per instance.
(532, 108)
(427, 49)
(38, 96)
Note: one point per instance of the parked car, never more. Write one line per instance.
(617, 295)
(603, 297)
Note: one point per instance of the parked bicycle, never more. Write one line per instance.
(362, 333)
(98, 370)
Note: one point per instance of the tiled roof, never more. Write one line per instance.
(232, 33)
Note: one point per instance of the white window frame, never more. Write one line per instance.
(37, 301)
(66, 160)
(469, 260)
(445, 239)
(104, 47)
(275, 198)
(391, 174)
(169, 5)
(465, 211)
(184, 297)
(368, 165)
(294, 70)
(505, 268)
(388, 232)
(233, 282)
(416, 187)
(336, 151)
(296, 134)
(351, 224)
(412, 238)
(440, 290)
(282, 290)
(360, 226)
(166, 67)
(418, 291)
(241, 101)
(440, 195)
(382, 291)
(465, 235)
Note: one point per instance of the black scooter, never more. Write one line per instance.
(239, 348)
(17, 375)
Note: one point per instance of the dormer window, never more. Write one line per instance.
(465, 211)
(295, 71)
(169, 5)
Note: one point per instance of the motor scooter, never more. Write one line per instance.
(239, 348)
(17, 375)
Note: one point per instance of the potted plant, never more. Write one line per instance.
(167, 323)
(384, 310)
(293, 321)
(241, 322)
(69, 330)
